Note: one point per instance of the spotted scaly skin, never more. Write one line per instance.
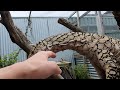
(100, 50)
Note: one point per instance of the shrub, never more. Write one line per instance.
(81, 71)
(8, 59)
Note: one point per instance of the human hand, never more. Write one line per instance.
(40, 67)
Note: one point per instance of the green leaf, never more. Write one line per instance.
(9, 59)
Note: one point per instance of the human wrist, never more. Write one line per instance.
(23, 69)
(29, 69)
(19, 70)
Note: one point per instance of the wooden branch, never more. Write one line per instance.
(117, 17)
(15, 34)
(69, 25)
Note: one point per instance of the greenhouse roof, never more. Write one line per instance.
(48, 13)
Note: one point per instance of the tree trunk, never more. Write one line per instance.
(15, 34)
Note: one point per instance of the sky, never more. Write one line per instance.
(46, 13)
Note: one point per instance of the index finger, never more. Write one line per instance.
(50, 54)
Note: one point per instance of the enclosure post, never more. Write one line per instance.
(99, 23)
(78, 20)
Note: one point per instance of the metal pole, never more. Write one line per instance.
(78, 20)
(99, 23)
(84, 14)
(95, 12)
(71, 14)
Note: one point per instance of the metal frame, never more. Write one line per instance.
(84, 14)
(99, 23)
(78, 20)
(107, 12)
(71, 14)
(99, 20)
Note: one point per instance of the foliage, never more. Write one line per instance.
(8, 59)
(81, 71)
